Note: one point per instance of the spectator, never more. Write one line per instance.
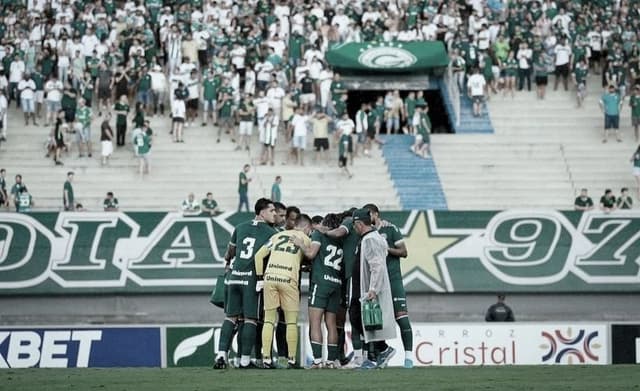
(159, 89)
(246, 115)
(499, 312)
(16, 190)
(421, 145)
(110, 203)
(4, 106)
(106, 139)
(178, 112)
(298, 125)
(583, 202)
(476, 85)
(635, 159)
(58, 138)
(27, 89)
(68, 199)
(4, 197)
(210, 86)
(320, 126)
(524, 57)
(395, 113)
(142, 147)
(243, 187)
(190, 207)
(634, 102)
(24, 201)
(562, 53)
(608, 201)
(276, 194)
(345, 128)
(580, 74)
(210, 206)
(624, 201)
(121, 108)
(610, 104)
(53, 89)
(83, 135)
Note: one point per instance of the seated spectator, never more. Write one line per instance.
(24, 201)
(16, 190)
(499, 312)
(190, 206)
(210, 206)
(608, 201)
(624, 201)
(583, 202)
(110, 203)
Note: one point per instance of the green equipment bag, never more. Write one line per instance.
(371, 315)
(217, 296)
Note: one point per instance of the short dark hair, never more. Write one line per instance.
(607, 191)
(373, 208)
(303, 218)
(317, 219)
(262, 204)
(624, 189)
(2, 170)
(109, 194)
(279, 206)
(278, 177)
(294, 209)
(331, 221)
(209, 193)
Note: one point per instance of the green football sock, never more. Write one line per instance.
(239, 329)
(406, 333)
(332, 352)
(316, 348)
(248, 338)
(356, 341)
(226, 335)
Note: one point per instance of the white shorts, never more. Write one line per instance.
(306, 99)
(245, 128)
(636, 171)
(300, 142)
(269, 135)
(107, 148)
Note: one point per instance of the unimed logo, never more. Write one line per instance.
(49, 348)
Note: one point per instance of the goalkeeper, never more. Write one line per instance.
(280, 284)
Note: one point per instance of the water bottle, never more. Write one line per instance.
(371, 315)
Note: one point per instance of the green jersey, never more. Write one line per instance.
(276, 194)
(210, 88)
(121, 119)
(340, 107)
(145, 83)
(248, 111)
(24, 202)
(247, 238)
(392, 235)
(142, 143)
(209, 204)
(580, 74)
(634, 102)
(337, 89)
(327, 265)
(226, 108)
(411, 106)
(243, 187)
(110, 203)
(83, 115)
(67, 188)
(349, 247)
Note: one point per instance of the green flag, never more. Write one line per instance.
(388, 57)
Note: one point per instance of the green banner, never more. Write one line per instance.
(511, 251)
(388, 57)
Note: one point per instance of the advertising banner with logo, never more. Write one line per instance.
(388, 57)
(625, 343)
(500, 344)
(69, 347)
(510, 251)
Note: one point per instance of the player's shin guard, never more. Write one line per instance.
(291, 317)
(281, 338)
(406, 333)
(248, 338)
(267, 333)
(226, 335)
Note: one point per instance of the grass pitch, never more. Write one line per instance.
(514, 378)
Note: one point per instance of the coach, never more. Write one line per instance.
(372, 282)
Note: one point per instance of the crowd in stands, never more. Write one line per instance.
(258, 62)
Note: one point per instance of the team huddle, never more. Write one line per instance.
(352, 257)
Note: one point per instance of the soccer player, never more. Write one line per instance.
(397, 249)
(325, 291)
(281, 285)
(242, 298)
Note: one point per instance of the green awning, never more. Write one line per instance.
(388, 57)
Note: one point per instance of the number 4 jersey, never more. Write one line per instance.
(248, 238)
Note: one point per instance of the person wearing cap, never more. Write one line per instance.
(67, 193)
(499, 312)
(370, 281)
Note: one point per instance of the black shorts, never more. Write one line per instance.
(595, 56)
(192, 104)
(321, 143)
(541, 80)
(371, 133)
(562, 70)
(178, 120)
(342, 161)
(69, 115)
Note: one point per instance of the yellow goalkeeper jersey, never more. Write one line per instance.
(284, 257)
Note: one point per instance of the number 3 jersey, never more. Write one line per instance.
(327, 265)
(247, 238)
(284, 259)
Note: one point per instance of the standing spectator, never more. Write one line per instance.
(144, 93)
(541, 74)
(562, 52)
(210, 206)
(524, 66)
(17, 69)
(580, 74)
(510, 69)
(4, 197)
(210, 86)
(58, 137)
(499, 312)
(362, 125)
(608, 201)
(423, 128)
(583, 202)
(53, 89)
(276, 194)
(269, 136)
(121, 108)
(4, 106)
(345, 128)
(190, 206)
(299, 126)
(243, 187)
(110, 203)
(68, 199)
(225, 104)
(475, 85)
(193, 86)
(104, 82)
(624, 201)
(16, 190)
(27, 89)
(106, 139)
(142, 147)
(370, 281)
(320, 127)
(159, 89)
(84, 117)
(178, 112)
(246, 114)
(395, 113)
(635, 159)
(610, 104)
(634, 102)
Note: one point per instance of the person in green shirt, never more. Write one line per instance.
(624, 201)
(121, 109)
(144, 88)
(634, 102)
(635, 160)
(138, 118)
(83, 133)
(610, 103)
(583, 202)
(142, 145)
(510, 71)
(276, 194)
(243, 187)
(423, 128)
(225, 105)
(580, 73)
(210, 206)
(410, 109)
(110, 203)
(210, 86)
(24, 201)
(67, 193)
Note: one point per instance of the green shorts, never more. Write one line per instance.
(398, 295)
(325, 296)
(242, 299)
